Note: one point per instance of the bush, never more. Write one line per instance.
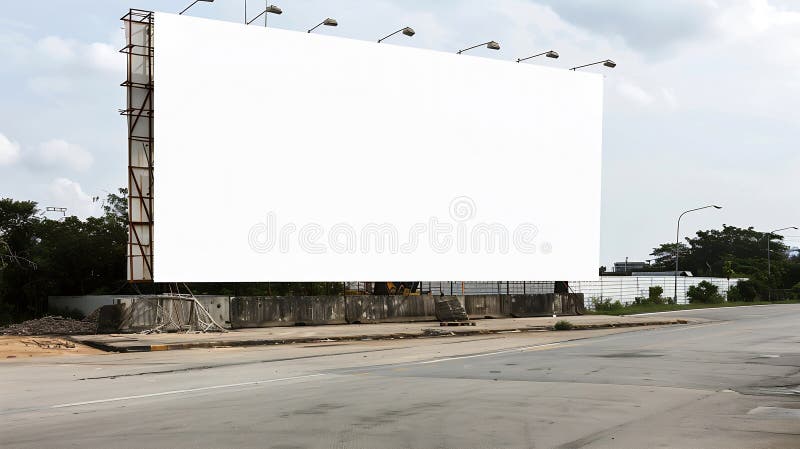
(563, 325)
(654, 297)
(607, 305)
(704, 293)
(750, 290)
(654, 294)
(735, 294)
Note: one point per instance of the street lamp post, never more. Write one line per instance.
(491, 45)
(193, 3)
(550, 54)
(327, 22)
(606, 62)
(408, 31)
(769, 254)
(678, 245)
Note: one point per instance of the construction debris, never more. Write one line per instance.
(50, 343)
(170, 313)
(449, 309)
(50, 325)
(433, 332)
(93, 317)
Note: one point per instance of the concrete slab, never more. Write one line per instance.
(303, 334)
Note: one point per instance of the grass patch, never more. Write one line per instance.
(563, 325)
(649, 308)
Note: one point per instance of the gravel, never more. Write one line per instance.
(51, 325)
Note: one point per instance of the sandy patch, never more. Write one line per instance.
(25, 347)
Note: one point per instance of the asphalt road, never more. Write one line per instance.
(728, 383)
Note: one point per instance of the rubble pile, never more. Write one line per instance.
(50, 325)
(93, 317)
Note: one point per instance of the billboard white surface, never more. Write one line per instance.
(287, 156)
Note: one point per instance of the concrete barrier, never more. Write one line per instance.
(138, 314)
(547, 304)
(269, 311)
(488, 306)
(384, 309)
(532, 305)
(570, 304)
(218, 307)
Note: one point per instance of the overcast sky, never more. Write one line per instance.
(704, 106)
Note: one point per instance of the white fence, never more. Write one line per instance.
(626, 288)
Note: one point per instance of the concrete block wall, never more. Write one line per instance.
(84, 304)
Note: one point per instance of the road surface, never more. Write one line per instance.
(731, 382)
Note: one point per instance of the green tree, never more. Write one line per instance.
(665, 256)
(42, 257)
(704, 292)
(732, 252)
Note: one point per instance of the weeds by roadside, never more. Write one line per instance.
(563, 325)
(633, 309)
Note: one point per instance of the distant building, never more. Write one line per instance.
(627, 267)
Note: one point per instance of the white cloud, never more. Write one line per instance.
(60, 153)
(57, 48)
(64, 55)
(105, 57)
(46, 85)
(9, 151)
(668, 95)
(64, 192)
(634, 93)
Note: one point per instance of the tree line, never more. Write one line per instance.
(41, 257)
(733, 252)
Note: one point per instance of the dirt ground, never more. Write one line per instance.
(16, 348)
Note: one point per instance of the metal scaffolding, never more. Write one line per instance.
(139, 112)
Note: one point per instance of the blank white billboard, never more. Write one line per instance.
(288, 156)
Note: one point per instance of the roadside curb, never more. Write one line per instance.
(441, 332)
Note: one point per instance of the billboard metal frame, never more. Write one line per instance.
(139, 112)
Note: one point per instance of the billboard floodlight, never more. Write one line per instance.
(491, 45)
(327, 22)
(550, 54)
(193, 3)
(408, 31)
(271, 9)
(607, 62)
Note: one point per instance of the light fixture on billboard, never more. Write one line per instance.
(550, 54)
(607, 62)
(408, 31)
(271, 9)
(193, 3)
(491, 45)
(327, 22)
